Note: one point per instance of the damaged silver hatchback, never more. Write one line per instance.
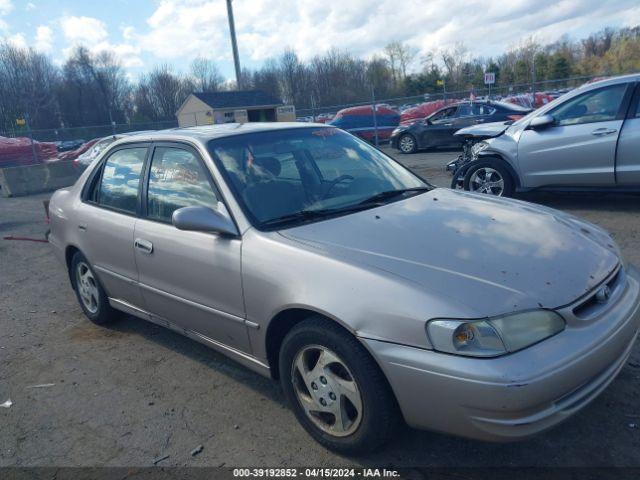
(309, 256)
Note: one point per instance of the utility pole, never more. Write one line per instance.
(234, 44)
(533, 76)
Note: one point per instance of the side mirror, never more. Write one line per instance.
(203, 219)
(542, 121)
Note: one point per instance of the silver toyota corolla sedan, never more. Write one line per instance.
(309, 256)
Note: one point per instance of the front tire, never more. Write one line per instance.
(407, 143)
(335, 388)
(91, 296)
(489, 177)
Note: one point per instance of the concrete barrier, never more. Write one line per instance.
(16, 181)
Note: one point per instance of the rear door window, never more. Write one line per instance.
(120, 180)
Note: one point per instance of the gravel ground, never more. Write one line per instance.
(133, 393)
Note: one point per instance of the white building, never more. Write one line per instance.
(208, 108)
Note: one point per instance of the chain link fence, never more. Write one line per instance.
(23, 146)
(530, 95)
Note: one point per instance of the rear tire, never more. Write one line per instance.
(354, 387)
(489, 177)
(407, 143)
(91, 296)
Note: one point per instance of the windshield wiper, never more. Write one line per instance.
(290, 217)
(314, 214)
(327, 212)
(387, 194)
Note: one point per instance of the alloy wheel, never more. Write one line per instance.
(87, 287)
(407, 144)
(487, 180)
(327, 391)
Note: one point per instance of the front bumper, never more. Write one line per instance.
(393, 139)
(521, 394)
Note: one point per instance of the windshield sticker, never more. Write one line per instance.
(325, 132)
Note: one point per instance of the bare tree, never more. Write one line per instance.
(160, 93)
(206, 75)
(28, 81)
(454, 61)
(94, 89)
(399, 56)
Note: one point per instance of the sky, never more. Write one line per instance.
(145, 33)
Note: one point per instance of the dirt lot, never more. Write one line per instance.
(134, 392)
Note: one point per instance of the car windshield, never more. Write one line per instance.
(285, 177)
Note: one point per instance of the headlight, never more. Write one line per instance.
(618, 252)
(478, 147)
(494, 336)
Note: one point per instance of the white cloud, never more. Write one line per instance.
(180, 28)
(93, 34)
(5, 7)
(17, 40)
(127, 54)
(30, 7)
(44, 39)
(84, 30)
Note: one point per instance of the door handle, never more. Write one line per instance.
(143, 245)
(82, 227)
(599, 132)
(448, 124)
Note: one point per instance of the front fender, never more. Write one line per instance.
(489, 155)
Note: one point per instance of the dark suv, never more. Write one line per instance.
(438, 128)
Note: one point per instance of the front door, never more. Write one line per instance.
(191, 279)
(579, 149)
(439, 131)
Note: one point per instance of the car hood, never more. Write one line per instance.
(491, 255)
(485, 130)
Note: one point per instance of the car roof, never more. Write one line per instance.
(209, 132)
(633, 77)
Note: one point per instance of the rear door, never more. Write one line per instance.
(107, 218)
(579, 149)
(472, 114)
(191, 279)
(628, 155)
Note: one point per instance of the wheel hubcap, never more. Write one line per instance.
(487, 180)
(406, 144)
(326, 390)
(87, 287)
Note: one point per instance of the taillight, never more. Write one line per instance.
(514, 117)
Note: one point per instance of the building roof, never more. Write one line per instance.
(237, 99)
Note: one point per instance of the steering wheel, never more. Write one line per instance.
(335, 182)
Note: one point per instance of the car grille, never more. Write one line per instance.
(596, 303)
